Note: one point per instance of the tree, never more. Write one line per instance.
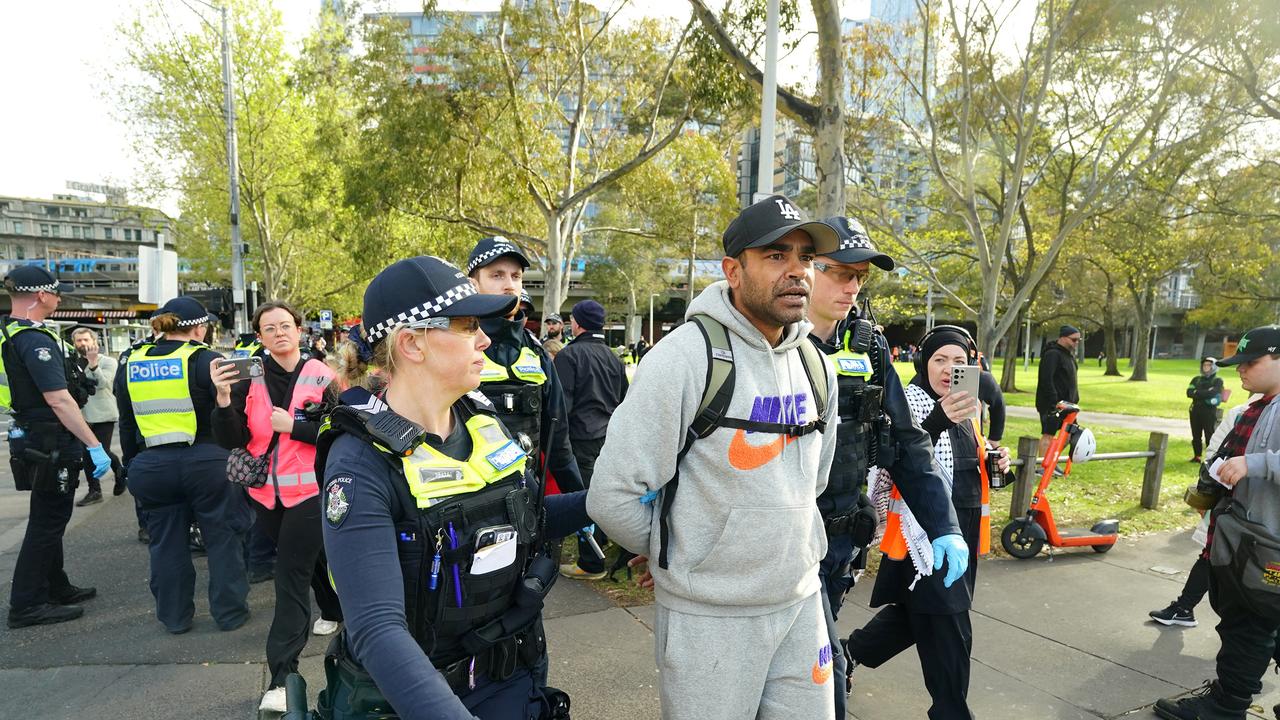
(535, 117)
(288, 186)
(823, 116)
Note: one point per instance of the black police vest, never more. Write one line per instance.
(853, 447)
(25, 397)
(452, 612)
(516, 393)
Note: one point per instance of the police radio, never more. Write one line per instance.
(859, 337)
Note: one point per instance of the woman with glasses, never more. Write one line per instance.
(434, 517)
(264, 415)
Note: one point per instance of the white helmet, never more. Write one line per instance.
(1084, 447)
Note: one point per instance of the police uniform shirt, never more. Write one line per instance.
(199, 384)
(363, 498)
(33, 359)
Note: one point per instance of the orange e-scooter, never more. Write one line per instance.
(1024, 537)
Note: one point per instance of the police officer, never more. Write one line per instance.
(44, 388)
(1205, 392)
(177, 471)
(432, 517)
(519, 376)
(875, 426)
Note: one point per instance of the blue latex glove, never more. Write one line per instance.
(649, 497)
(957, 556)
(101, 461)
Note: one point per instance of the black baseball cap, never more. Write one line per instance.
(768, 220)
(188, 309)
(422, 287)
(855, 244)
(1254, 344)
(492, 248)
(33, 279)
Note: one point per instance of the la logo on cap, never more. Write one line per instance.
(787, 210)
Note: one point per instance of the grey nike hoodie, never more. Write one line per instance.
(746, 535)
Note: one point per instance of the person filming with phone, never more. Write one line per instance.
(177, 471)
(923, 610)
(260, 417)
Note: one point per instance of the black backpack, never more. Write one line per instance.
(716, 396)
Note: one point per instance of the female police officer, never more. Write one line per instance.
(166, 397)
(432, 515)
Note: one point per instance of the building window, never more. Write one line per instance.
(57, 230)
(106, 234)
(51, 210)
(20, 251)
(88, 232)
(17, 227)
(75, 231)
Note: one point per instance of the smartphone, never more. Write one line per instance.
(964, 378)
(247, 367)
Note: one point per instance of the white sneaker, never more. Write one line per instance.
(324, 627)
(274, 701)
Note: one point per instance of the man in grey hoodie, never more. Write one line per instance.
(740, 631)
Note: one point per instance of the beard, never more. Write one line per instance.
(767, 303)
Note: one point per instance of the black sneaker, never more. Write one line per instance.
(1201, 704)
(91, 497)
(46, 614)
(1174, 615)
(74, 596)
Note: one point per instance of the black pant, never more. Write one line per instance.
(103, 431)
(1204, 420)
(38, 574)
(1197, 584)
(1248, 640)
(943, 643)
(585, 451)
(300, 567)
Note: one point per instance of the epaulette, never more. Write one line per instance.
(478, 402)
(533, 339)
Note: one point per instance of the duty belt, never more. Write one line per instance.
(497, 662)
(839, 525)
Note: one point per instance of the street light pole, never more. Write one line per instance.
(233, 174)
(1026, 343)
(768, 102)
(651, 297)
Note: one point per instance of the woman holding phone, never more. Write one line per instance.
(263, 414)
(923, 611)
(177, 472)
(434, 518)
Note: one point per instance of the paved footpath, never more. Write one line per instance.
(1053, 639)
(1174, 428)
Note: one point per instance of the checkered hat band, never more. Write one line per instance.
(431, 308)
(51, 287)
(197, 321)
(855, 242)
(491, 253)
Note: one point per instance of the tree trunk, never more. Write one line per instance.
(1145, 303)
(828, 138)
(1109, 332)
(1008, 376)
(553, 273)
(693, 255)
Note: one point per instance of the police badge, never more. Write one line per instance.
(337, 502)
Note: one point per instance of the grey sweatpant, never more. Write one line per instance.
(766, 667)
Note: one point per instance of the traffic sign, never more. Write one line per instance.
(326, 319)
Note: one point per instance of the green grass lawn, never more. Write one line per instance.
(1164, 394)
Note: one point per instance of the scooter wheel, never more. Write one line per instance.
(1102, 548)
(1018, 542)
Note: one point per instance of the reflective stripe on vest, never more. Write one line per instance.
(984, 527)
(291, 472)
(527, 368)
(851, 364)
(13, 328)
(894, 544)
(433, 476)
(160, 395)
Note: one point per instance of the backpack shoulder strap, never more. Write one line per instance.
(815, 367)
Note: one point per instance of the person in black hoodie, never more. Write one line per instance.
(1057, 381)
(922, 610)
(1205, 392)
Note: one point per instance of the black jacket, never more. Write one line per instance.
(1057, 378)
(1205, 391)
(594, 382)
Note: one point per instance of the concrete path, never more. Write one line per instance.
(1174, 428)
(1061, 637)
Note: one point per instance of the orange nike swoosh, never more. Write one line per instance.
(745, 456)
(821, 673)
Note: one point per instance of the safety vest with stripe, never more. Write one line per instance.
(292, 470)
(246, 349)
(13, 327)
(894, 543)
(160, 394)
(516, 393)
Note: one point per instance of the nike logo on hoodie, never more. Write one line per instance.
(789, 409)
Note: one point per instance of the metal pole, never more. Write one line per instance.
(1155, 334)
(233, 175)
(651, 297)
(768, 102)
(160, 269)
(1026, 344)
(928, 311)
